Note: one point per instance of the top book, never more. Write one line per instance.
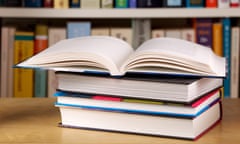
(117, 57)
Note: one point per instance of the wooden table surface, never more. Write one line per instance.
(35, 121)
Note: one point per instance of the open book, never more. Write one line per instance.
(117, 57)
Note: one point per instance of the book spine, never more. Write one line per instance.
(217, 38)
(40, 76)
(141, 31)
(223, 3)
(188, 34)
(227, 53)
(195, 3)
(149, 3)
(61, 4)
(78, 29)
(132, 3)
(11, 35)
(54, 35)
(158, 33)
(106, 3)
(74, 3)
(4, 60)
(13, 3)
(92, 4)
(121, 3)
(173, 3)
(48, 3)
(122, 33)
(100, 31)
(173, 33)
(235, 61)
(203, 30)
(23, 78)
(234, 3)
(211, 4)
(32, 3)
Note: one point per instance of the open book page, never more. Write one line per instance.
(175, 55)
(102, 52)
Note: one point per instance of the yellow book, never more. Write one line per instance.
(217, 39)
(61, 3)
(23, 78)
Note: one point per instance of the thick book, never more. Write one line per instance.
(185, 128)
(111, 55)
(139, 106)
(133, 86)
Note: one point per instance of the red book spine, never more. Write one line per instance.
(211, 3)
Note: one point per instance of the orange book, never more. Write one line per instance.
(211, 3)
(217, 38)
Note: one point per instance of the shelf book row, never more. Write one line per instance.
(210, 33)
(96, 4)
(157, 89)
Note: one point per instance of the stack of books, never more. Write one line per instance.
(167, 87)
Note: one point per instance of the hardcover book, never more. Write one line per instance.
(139, 86)
(78, 29)
(105, 54)
(185, 128)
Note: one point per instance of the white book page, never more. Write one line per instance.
(178, 50)
(107, 51)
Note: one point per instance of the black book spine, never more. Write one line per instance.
(149, 3)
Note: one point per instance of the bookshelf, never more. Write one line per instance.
(118, 13)
(115, 17)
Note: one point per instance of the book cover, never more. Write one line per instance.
(149, 3)
(217, 38)
(48, 3)
(173, 3)
(223, 3)
(78, 29)
(203, 31)
(120, 3)
(61, 4)
(141, 87)
(107, 4)
(211, 3)
(124, 33)
(78, 117)
(195, 3)
(40, 76)
(33, 3)
(55, 34)
(235, 61)
(74, 3)
(23, 78)
(90, 4)
(227, 54)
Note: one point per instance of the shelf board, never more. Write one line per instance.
(118, 13)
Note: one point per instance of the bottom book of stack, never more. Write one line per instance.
(147, 117)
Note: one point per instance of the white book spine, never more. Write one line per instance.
(235, 54)
(223, 3)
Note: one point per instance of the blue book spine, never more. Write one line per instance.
(40, 85)
(227, 53)
(132, 3)
(74, 4)
(78, 29)
(32, 3)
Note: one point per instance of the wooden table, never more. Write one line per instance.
(35, 120)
